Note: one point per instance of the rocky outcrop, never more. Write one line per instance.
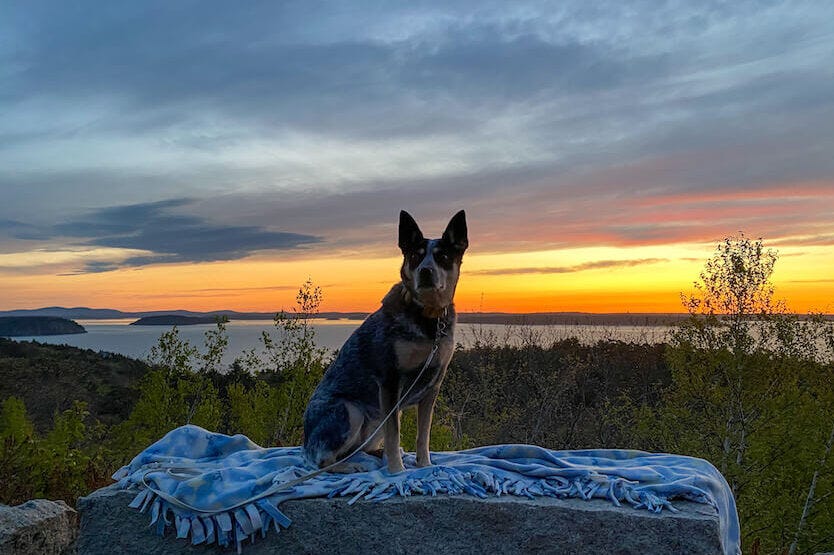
(436, 525)
(38, 526)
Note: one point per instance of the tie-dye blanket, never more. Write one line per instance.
(222, 488)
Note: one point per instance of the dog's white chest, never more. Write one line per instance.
(411, 354)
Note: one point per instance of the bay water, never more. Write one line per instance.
(117, 336)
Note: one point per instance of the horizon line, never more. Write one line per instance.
(128, 313)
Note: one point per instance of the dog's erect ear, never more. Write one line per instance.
(410, 234)
(456, 234)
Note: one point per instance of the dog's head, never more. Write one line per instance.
(431, 267)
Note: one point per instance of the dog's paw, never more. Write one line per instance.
(349, 468)
(395, 467)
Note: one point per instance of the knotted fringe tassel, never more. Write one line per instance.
(237, 525)
(225, 528)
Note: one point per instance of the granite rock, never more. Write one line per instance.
(436, 525)
(38, 526)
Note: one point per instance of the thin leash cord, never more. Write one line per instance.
(275, 488)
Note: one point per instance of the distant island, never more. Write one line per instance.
(23, 326)
(187, 317)
(174, 320)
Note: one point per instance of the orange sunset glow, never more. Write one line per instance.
(509, 282)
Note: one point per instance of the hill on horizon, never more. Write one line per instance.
(529, 318)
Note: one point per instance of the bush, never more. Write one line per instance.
(63, 464)
(288, 370)
(174, 393)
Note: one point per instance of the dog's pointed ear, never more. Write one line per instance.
(410, 234)
(456, 233)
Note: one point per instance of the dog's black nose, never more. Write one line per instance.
(426, 277)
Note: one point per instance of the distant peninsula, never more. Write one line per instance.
(24, 326)
(188, 317)
(174, 320)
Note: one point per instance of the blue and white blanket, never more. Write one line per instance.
(213, 485)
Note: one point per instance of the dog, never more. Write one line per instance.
(384, 356)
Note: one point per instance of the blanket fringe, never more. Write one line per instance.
(235, 526)
(225, 528)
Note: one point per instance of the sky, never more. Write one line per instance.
(215, 155)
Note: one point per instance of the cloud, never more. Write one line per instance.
(595, 265)
(263, 288)
(245, 74)
(255, 65)
(553, 125)
(95, 267)
(170, 237)
(821, 239)
(18, 230)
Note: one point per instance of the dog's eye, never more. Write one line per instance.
(442, 257)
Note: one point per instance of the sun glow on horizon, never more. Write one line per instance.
(595, 279)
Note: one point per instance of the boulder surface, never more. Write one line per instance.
(38, 526)
(418, 524)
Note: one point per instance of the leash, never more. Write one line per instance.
(185, 473)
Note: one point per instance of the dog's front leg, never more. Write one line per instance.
(425, 409)
(388, 399)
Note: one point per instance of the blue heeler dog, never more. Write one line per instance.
(382, 358)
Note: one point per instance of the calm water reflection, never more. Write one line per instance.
(117, 336)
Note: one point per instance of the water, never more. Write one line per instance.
(116, 336)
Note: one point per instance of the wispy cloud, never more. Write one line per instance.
(265, 288)
(821, 239)
(595, 265)
(168, 236)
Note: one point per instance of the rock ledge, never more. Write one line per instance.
(436, 525)
(38, 526)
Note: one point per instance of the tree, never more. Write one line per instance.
(291, 366)
(749, 392)
(734, 292)
(735, 288)
(179, 390)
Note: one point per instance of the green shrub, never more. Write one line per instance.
(63, 464)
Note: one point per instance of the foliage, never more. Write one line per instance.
(255, 411)
(295, 363)
(50, 378)
(567, 395)
(16, 450)
(751, 391)
(263, 396)
(443, 436)
(174, 393)
(62, 464)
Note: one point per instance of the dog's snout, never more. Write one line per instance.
(426, 277)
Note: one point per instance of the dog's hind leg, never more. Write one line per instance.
(332, 430)
(374, 445)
